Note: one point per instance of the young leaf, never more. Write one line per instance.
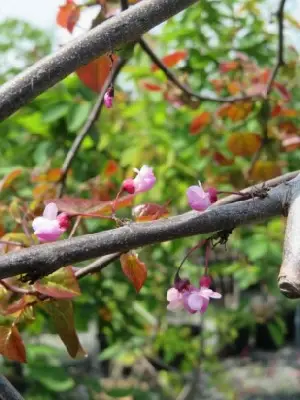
(244, 144)
(18, 306)
(9, 178)
(152, 87)
(11, 344)
(62, 284)
(235, 112)
(149, 212)
(134, 269)
(68, 15)
(61, 312)
(171, 59)
(94, 74)
(199, 122)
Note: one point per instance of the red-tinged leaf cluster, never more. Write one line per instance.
(171, 59)
(220, 159)
(244, 144)
(134, 269)
(11, 344)
(227, 66)
(61, 312)
(200, 122)
(149, 212)
(94, 74)
(111, 168)
(236, 111)
(62, 284)
(68, 15)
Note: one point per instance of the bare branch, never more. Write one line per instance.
(124, 28)
(45, 258)
(172, 78)
(92, 118)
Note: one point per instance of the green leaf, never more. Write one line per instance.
(77, 115)
(53, 378)
(55, 112)
(61, 312)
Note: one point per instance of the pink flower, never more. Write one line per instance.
(109, 97)
(144, 181)
(184, 295)
(200, 200)
(50, 226)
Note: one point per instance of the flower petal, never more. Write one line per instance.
(50, 211)
(173, 294)
(195, 301)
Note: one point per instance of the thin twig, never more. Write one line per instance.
(12, 243)
(16, 289)
(280, 50)
(92, 118)
(185, 89)
(97, 265)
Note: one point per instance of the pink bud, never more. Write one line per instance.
(205, 281)
(63, 220)
(213, 194)
(50, 226)
(109, 97)
(128, 186)
(144, 180)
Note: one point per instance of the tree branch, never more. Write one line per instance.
(92, 118)
(124, 28)
(172, 78)
(45, 258)
(7, 391)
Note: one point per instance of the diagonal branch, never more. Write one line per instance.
(185, 89)
(7, 391)
(43, 259)
(124, 28)
(94, 115)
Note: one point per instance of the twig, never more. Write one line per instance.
(97, 265)
(185, 89)
(75, 226)
(46, 258)
(12, 243)
(265, 106)
(7, 391)
(92, 118)
(16, 289)
(126, 27)
(280, 55)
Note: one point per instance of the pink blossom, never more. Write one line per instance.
(200, 200)
(144, 181)
(50, 226)
(184, 295)
(109, 97)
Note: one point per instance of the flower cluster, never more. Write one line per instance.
(183, 295)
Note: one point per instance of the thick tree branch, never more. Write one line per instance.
(7, 391)
(92, 118)
(126, 27)
(185, 89)
(289, 275)
(46, 258)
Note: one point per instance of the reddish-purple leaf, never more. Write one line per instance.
(134, 269)
(11, 344)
